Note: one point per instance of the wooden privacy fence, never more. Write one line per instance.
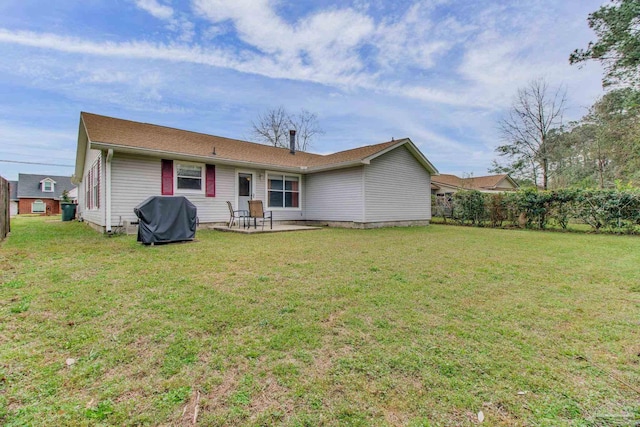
(4, 208)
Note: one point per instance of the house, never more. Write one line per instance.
(13, 198)
(41, 193)
(446, 185)
(119, 163)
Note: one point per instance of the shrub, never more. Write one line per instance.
(469, 206)
(610, 210)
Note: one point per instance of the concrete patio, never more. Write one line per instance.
(277, 228)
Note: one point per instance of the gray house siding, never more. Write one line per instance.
(335, 195)
(134, 178)
(396, 188)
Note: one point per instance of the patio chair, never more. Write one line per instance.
(237, 214)
(256, 211)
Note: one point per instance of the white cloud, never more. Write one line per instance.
(414, 39)
(139, 50)
(156, 9)
(318, 47)
(175, 22)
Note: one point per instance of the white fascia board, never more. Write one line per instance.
(81, 153)
(335, 166)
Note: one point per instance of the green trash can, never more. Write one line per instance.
(68, 211)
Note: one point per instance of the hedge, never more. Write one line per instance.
(603, 210)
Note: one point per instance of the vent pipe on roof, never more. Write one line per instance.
(292, 141)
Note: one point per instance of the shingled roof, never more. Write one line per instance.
(488, 182)
(107, 132)
(29, 186)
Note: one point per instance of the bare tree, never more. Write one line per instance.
(305, 123)
(527, 129)
(273, 128)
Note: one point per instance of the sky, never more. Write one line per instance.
(442, 73)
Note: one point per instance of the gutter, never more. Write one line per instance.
(107, 191)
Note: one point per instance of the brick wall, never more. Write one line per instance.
(52, 206)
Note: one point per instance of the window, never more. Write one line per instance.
(38, 206)
(47, 186)
(95, 190)
(283, 190)
(189, 177)
(92, 186)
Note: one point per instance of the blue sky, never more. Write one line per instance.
(439, 72)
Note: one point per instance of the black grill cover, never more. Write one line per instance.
(165, 219)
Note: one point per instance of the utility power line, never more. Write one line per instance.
(36, 163)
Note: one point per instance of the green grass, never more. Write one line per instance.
(406, 326)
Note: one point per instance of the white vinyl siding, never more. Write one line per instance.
(13, 210)
(135, 178)
(95, 216)
(335, 195)
(397, 188)
(504, 184)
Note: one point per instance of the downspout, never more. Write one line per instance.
(107, 191)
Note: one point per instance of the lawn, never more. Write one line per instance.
(422, 326)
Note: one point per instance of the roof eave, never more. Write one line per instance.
(334, 166)
(193, 157)
(81, 152)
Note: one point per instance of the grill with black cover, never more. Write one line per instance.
(166, 219)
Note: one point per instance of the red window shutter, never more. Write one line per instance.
(98, 184)
(167, 177)
(211, 181)
(91, 188)
(87, 201)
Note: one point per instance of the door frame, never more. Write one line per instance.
(252, 190)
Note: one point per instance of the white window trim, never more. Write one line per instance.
(95, 190)
(203, 178)
(266, 191)
(41, 202)
(254, 185)
(95, 195)
(48, 181)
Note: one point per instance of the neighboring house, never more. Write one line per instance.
(119, 163)
(73, 195)
(13, 198)
(446, 185)
(41, 194)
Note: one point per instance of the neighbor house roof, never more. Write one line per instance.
(489, 182)
(13, 190)
(449, 180)
(29, 186)
(124, 135)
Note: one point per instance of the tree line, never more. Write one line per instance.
(601, 149)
